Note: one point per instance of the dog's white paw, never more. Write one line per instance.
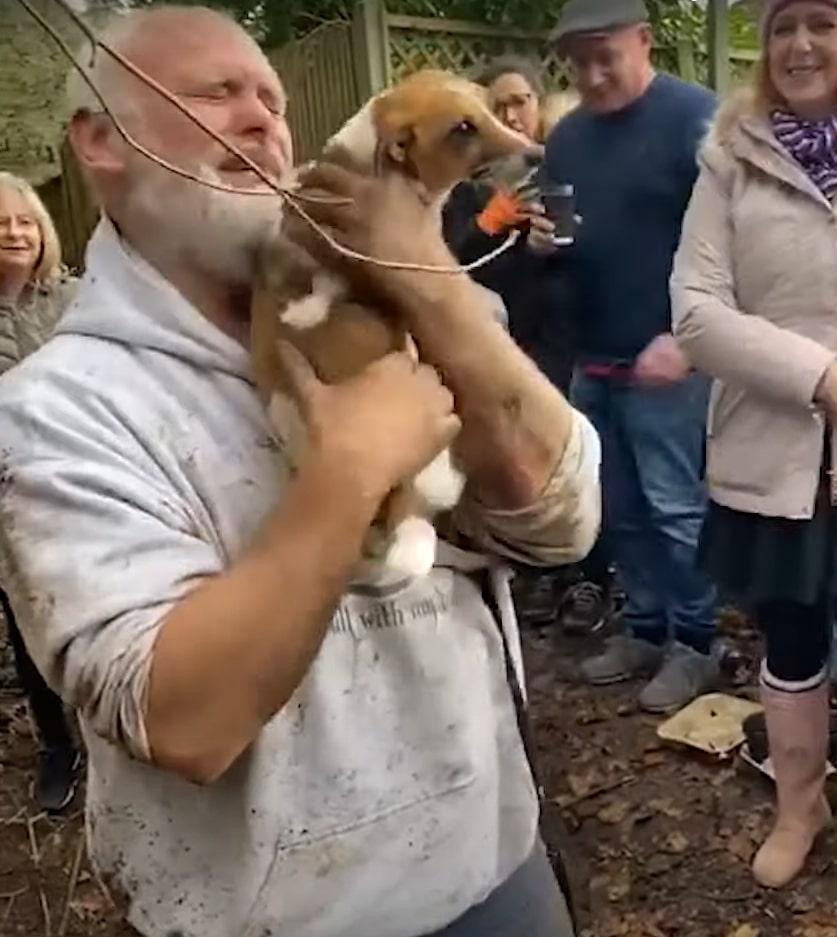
(413, 548)
(440, 483)
(313, 309)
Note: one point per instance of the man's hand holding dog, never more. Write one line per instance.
(388, 219)
(515, 425)
(377, 429)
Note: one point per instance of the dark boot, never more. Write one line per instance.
(56, 778)
(58, 759)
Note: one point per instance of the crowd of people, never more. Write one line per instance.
(676, 362)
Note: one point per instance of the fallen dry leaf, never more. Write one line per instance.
(666, 806)
(675, 843)
(614, 812)
(619, 886)
(744, 930)
(816, 930)
(653, 758)
(582, 784)
(741, 846)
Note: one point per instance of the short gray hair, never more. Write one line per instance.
(113, 80)
(101, 69)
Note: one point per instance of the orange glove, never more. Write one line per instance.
(502, 212)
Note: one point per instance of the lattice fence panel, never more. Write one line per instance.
(412, 49)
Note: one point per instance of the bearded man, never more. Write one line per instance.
(265, 757)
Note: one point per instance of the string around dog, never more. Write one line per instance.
(291, 198)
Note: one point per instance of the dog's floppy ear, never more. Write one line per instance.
(394, 134)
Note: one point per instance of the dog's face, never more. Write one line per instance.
(438, 128)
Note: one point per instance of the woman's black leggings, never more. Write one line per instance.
(46, 706)
(798, 639)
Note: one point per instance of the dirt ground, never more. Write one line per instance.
(658, 840)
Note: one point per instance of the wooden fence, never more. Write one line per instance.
(332, 71)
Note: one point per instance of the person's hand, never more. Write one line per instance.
(378, 428)
(389, 218)
(661, 362)
(541, 238)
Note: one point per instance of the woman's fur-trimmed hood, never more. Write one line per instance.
(741, 137)
(741, 132)
(742, 106)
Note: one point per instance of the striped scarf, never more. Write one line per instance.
(813, 144)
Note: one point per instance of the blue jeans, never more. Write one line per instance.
(654, 500)
(528, 904)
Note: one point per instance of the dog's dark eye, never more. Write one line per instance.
(465, 128)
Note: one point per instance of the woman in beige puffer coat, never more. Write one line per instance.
(754, 300)
(34, 290)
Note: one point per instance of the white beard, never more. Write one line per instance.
(217, 232)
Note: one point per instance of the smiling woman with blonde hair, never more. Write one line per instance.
(48, 267)
(34, 286)
(34, 289)
(754, 294)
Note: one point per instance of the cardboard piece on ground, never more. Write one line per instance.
(713, 723)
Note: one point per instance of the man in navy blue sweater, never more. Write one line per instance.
(630, 152)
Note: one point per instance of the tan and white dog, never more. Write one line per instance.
(437, 128)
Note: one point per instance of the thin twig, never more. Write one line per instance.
(291, 198)
(9, 895)
(36, 859)
(33, 842)
(102, 887)
(9, 821)
(726, 899)
(12, 899)
(71, 886)
(605, 788)
(46, 913)
(155, 86)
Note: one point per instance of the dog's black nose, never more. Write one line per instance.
(533, 159)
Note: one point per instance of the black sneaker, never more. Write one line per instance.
(535, 600)
(56, 778)
(586, 608)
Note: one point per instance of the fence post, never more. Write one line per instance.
(717, 42)
(686, 68)
(370, 43)
(80, 210)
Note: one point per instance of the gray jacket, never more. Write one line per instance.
(26, 323)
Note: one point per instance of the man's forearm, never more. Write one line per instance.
(515, 424)
(232, 653)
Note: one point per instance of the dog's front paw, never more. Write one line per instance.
(413, 548)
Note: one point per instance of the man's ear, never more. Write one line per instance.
(646, 35)
(96, 143)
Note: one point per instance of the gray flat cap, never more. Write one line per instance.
(597, 16)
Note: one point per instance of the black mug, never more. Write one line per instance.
(559, 205)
